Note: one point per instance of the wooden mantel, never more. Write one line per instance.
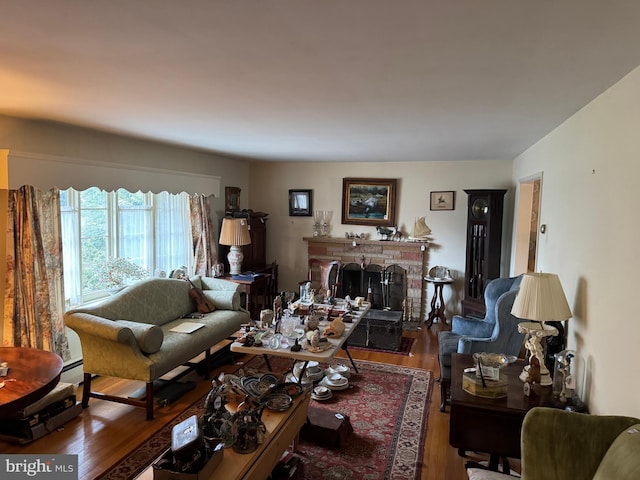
(412, 256)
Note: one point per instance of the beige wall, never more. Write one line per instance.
(269, 189)
(43, 139)
(590, 205)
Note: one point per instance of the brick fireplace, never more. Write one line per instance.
(393, 269)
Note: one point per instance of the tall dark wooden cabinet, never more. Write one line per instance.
(484, 244)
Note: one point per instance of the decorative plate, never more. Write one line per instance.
(278, 402)
(290, 388)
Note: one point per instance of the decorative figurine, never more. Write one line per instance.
(296, 347)
(335, 328)
(532, 381)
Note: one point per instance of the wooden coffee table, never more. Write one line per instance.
(490, 425)
(283, 429)
(32, 374)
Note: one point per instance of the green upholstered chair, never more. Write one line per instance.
(561, 445)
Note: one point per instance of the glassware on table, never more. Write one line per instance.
(288, 324)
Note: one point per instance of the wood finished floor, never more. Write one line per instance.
(106, 431)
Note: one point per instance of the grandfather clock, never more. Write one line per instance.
(484, 244)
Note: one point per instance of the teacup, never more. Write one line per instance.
(321, 391)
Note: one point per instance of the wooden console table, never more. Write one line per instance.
(283, 429)
(490, 425)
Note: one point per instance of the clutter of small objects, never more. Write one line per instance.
(298, 326)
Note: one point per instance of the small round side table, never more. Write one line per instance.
(437, 301)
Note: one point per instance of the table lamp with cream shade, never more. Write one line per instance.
(235, 233)
(540, 299)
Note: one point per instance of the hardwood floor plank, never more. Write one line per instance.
(107, 431)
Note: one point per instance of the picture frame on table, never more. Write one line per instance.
(369, 201)
(443, 200)
(300, 203)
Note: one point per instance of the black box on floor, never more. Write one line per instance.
(326, 428)
(34, 432)
(379, 329)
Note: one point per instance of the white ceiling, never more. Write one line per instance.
(317, 80)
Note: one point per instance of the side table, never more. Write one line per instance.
(490, 425)
(33, 374)
(437, 301)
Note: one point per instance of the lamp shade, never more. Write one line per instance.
(541, 298)
(235, 232)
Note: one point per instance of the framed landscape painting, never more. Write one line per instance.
(369, 201)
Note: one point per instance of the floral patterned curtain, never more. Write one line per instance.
(204, 245)
(34, 295)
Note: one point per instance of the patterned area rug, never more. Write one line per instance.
(388, 406)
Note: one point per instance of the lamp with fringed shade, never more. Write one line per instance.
(540, 299)
(235, 233)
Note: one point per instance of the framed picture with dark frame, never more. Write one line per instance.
(300, 203)
(369, 201)
(442, 200)
(231, 199)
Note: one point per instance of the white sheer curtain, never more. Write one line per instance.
(173, 232)
(71, 255)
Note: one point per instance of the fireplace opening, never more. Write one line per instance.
(386, 287)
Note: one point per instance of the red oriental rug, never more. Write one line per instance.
(388, 406)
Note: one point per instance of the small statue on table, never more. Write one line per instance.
(532, 382)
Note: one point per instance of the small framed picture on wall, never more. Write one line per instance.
(300, 203)
(443, 200)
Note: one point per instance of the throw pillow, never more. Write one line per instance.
(622, 461)
(148, 336)
(224, 299)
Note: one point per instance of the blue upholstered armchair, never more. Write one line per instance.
(497, 332)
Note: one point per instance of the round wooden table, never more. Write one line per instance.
(32, 374)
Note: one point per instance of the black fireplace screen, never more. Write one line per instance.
(385, 287)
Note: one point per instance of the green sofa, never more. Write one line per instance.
(561, 445)
(129, 334)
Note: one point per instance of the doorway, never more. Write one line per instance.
(527, 227)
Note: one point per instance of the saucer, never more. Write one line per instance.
(321, 399)
(324, 382)
(321, 393)
(336, 380)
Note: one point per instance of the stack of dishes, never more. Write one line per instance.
(335, 381)
(340, 368)
(313, 371)
(321, 393)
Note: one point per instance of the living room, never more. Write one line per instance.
(587, 164)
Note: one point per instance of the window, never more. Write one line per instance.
(151, 230)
